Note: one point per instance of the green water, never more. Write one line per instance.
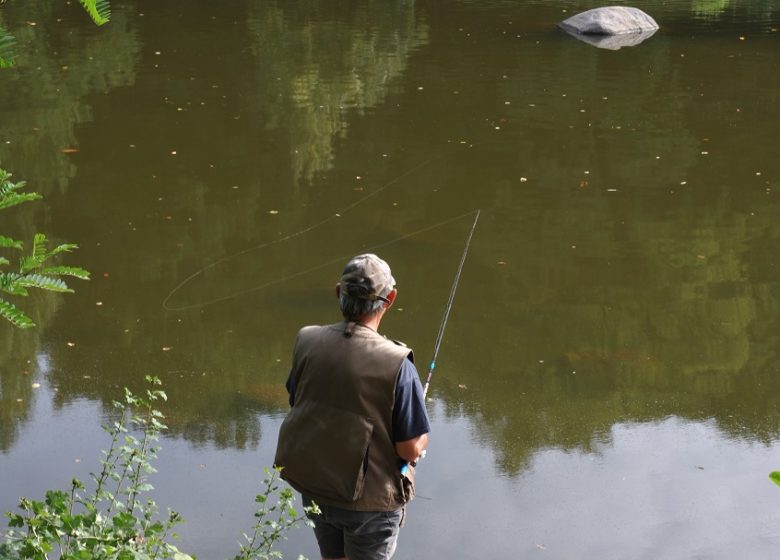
(607, 386)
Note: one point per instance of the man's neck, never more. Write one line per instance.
(371, 321)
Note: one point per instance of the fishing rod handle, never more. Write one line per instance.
(406, 464)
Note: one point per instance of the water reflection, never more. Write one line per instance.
(43, 98)
(319, 64)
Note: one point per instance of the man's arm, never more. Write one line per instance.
(410, 419)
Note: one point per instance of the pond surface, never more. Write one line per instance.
(607, 386)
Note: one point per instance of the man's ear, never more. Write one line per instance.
(338, 290)
(391, 297)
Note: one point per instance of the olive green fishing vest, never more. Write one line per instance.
(336, 443)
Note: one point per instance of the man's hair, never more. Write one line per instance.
(353, 308)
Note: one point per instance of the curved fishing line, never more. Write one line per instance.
(287, 237)
(340, 259)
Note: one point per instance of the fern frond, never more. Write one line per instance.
(64, 248)
(35, 260)
(44, 283)
(8, 243)
(13, 199)
(9, 283)
(15, 315)
(7, 186)
(3, 261)
(39, 247)
(98, 10)
(65, 271)
(7, 43)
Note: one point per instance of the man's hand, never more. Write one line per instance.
(411, 449)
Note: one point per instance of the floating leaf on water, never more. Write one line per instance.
(461, 386)
(36, 385)
(273, 211)
(70, 150)
(71, 344)
(166, 348)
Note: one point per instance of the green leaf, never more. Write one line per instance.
(7, 186)
(3, 261)
(10, 284)
(39, 247)
(65, 271)
(13, 199)
(15, 315)
(64, 248)
(775, 477)
(98, 10)
(8, 243)
(44, 283)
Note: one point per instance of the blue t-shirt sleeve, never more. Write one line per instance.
(410, 419)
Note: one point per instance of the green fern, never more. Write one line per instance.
(98, 10)
(8, 243)
(15, 315)
(74, 271)
(9, 283)
(7, 43)
(6, 186)
(64, 248)
(13, 199)
(44, 283)
(8, 196)
(32, 272)
(40, 254)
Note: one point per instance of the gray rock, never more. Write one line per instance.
(614, 20)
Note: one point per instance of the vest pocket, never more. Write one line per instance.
(324, 451)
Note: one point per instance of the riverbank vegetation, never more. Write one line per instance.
(114, 516)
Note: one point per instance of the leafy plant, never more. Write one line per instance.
(116, 520)
(33, 272)
(98, 10)
(273, 520)
(113, 520)
(775, 477)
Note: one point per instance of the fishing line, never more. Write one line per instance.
(287, 237)
(308, 270)
(447, 309)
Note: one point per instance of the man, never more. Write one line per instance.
(357, 417)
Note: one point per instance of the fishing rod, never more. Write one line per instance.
(442, 326)
(447, 309)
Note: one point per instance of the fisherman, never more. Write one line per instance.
(357, 418)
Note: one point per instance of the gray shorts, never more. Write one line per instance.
(358, 535)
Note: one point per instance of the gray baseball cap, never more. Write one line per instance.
(367, 277)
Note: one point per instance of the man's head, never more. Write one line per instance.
(366, 288)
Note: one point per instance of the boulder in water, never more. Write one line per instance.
(613, 20)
